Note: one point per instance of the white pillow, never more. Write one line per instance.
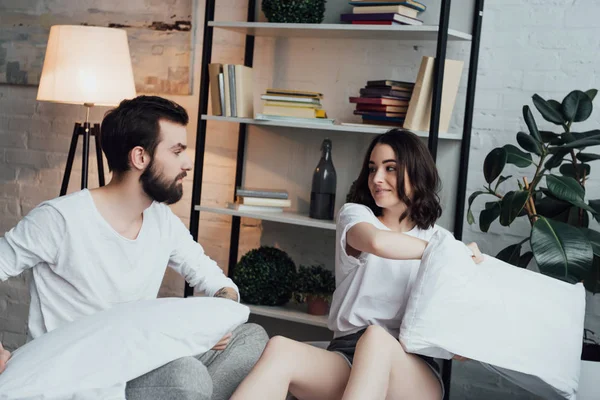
(514, 319)
(93, 357)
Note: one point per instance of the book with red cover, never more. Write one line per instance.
(380, 114)
(381, 108)
(379, 100)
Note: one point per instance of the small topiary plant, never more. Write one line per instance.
(265, 276)
(294, 11)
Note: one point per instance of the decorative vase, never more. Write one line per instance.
(294, 11)
(317, 305)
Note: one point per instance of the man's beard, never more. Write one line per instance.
(158, 189)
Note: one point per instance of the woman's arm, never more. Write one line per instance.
(364, 237)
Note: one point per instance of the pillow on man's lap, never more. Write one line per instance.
(96, 355)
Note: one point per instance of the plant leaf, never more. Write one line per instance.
(557, 158)
(550, 207)
(548, 112)
(577, 106)
(593, 134)
(594, 238)
(489, 215)
(517, 157)
(595, 204)
(569, 170)
(511, 204)
(510, 254)
(592, 93)
(530, 121)
(586, 157)
(561, 250)
(528, 143)
(565, 188)
(494, 164)
(573, 218)
(472, 197)
(582, 143)
(550, 137)
(525, 259)
(592, 281)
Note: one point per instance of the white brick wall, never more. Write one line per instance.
(528, 46)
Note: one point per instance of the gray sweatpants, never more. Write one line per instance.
(213, 375)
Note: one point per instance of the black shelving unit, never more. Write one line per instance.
(433, 138)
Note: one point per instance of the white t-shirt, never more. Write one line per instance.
(81, 265)
(370, 290)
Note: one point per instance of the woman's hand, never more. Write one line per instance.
(4, 356)
(459, 358)
(477, 256)
(223, 342)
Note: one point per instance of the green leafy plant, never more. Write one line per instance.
(294, 11)
(265, 276)
(560, 241)
(315, 281)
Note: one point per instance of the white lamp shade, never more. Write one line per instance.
(86, 64)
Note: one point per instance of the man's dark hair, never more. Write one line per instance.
(412, 156)
(134, 123)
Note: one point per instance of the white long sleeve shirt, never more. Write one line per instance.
(81, 265)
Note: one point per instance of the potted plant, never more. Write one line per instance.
(294, 11)
(314, 286)
(552, 198)
(265, 276)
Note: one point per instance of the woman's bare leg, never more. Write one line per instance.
(383, 370)
(306, 371)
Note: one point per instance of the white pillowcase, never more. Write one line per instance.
(525, 325)
(94, 357)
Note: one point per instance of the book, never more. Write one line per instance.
(227, 111)
(384, 91)
(244, 92)
(408, 3)
(377, 118)
(264, 202)
(244, 207)
(316, 121)
(297, 112)
(292, 104)
(232, 96)
(299, 93)
(291, 99)
(222, 92)
(418, 115)
(262, 193)
(395, 85)
(379, 100)
(381, 17)
(398, 9)
(376, 23)
(380, 114)
(381, 108)
(214, 70)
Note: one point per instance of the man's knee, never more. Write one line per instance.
(249, 341)
(185, 378)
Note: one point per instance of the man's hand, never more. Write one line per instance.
(460, 358)
(227, 293)
(4, 356)
(477, 256)
(223, 342)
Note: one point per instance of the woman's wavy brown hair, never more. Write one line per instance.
(412, 156)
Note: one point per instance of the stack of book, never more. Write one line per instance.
(231, 90)
(260, 200)
(384, 12)
(383, 102)
(293, 106)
